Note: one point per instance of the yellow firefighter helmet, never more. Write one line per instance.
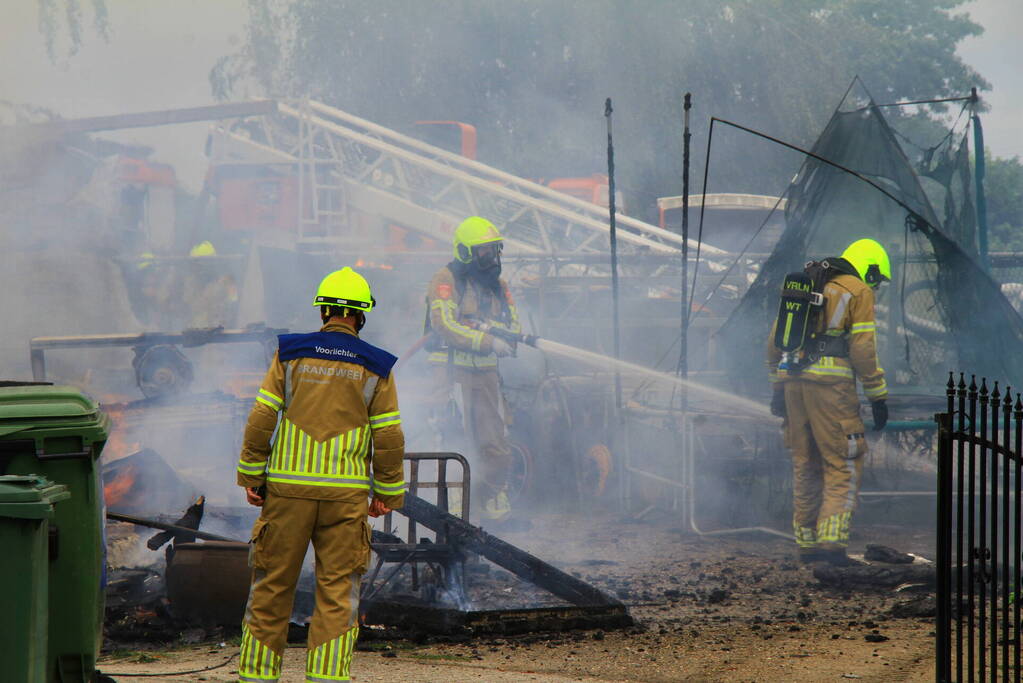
(347, 289)
(472, 232)
(870, 260)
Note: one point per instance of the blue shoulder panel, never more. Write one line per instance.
(336, 346)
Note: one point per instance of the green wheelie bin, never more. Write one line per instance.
(58, 433)
(26, 508)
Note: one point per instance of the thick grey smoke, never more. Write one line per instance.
(532, 77)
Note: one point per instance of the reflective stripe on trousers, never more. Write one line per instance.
(332, 660)
(257, 663)
(806, 537)
(834, 529)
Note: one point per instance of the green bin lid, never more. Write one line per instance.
(50, 407)
(29, 496)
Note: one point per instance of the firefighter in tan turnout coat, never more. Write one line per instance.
(332, 400)
(817, 397)
(469, 305)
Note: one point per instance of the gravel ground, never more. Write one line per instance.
(734, 608)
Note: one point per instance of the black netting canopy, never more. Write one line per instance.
(941, 311)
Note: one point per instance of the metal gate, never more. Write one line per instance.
(978, 533)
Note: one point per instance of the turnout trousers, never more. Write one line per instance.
(824, 433)
(485, 423)
(340, 536)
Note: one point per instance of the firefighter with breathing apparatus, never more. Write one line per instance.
(823, 341)
(472, 321)
(323, 434)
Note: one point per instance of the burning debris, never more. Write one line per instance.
(442, 587)
(190, 520)
(582, 605)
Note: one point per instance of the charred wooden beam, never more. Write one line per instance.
(517, 561)
(385, 541)
(508, 622)
(875, 576)
(181, 531)
(191, 337)
(190, 520)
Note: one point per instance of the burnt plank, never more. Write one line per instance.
(515, 560)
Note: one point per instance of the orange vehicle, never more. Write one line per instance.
(459, 137)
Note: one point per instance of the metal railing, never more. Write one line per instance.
(439, 556)
(980, 441)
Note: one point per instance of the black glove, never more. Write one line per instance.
(778, 403)
(880, 411)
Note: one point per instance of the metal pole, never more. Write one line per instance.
(943, 649)
(614, 253)
(978, 172)
(683, 354)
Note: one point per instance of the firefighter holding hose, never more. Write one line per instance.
(332, 400)
(469, 307)
(823, 342)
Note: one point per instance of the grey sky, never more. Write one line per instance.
(998, 56)
(159, 57)
(160, 53)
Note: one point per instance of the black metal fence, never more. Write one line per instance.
(980, 439)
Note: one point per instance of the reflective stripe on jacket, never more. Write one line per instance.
(453, 314)
(339, 434)
(848, 312)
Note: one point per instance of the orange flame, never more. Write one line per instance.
(116, 490)
(118, 444)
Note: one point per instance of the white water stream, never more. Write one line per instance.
(608, 363)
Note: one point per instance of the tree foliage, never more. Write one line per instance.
(1003, 185)
(54, 20)
(532, 75)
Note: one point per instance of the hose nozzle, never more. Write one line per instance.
(511, 337)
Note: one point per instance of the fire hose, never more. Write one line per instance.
(510, 337)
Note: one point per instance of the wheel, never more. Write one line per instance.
(520, 473)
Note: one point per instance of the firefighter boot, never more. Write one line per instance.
(811, 555)
(497, 508)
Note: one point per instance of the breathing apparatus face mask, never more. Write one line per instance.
(874, 280)
(873, 277)
(486, 258)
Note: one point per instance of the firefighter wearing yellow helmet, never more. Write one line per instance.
(330, 399)
(202, 249)
(816, 394)
(209, 288)
(466, 299)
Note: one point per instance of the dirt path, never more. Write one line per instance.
(723, 609)
(717, 654)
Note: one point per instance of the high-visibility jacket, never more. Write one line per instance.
(849, 313)
(456, 306)
(339, 433)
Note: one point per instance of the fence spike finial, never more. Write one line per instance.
(951, 380)
(1019, 404)
(983, 387)
(973, 384)
(995, 395)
